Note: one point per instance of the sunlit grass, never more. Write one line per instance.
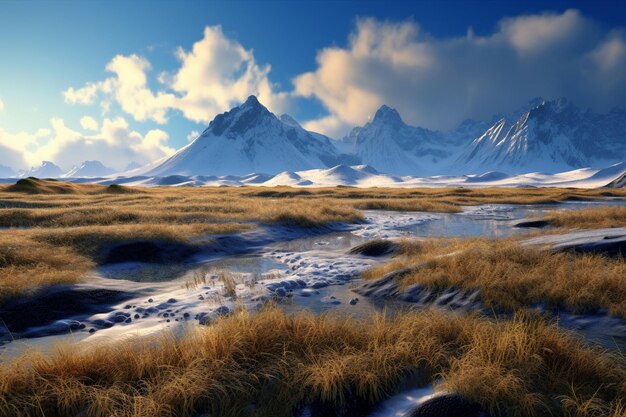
(272, 364)
(510, 275)
(589, 218)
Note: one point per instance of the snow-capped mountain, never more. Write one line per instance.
(619, 182)
(47, 169)
(553, 136)
(542, 136)
(247, 139)
(390, 145)
(89, 169)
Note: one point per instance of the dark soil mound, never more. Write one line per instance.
(56, 303)
(149, 252)
(451, 405)
(377, 247)
(533, 224)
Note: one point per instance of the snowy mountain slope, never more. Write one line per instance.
(619, 182)
(89, 169)
(366, 176)
(47, 169)
(390, 145)
(553, 136)
(248, 139)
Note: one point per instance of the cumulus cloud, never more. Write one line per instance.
(114, 144)
(89, 123)
(15, 147)
(438, 83)
(192, 135)
(10, 156)
(216, 74)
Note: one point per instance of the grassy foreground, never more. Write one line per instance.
(511, 276)
(272, 364)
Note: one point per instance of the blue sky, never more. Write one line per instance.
(72, 73)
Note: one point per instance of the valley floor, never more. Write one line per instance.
(188, 301)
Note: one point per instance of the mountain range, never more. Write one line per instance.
(543, 136)
(48, 169)
(248, 139)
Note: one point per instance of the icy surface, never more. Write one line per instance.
(365, 176)
(399, 405)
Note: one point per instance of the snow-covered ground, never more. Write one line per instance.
(365, 176)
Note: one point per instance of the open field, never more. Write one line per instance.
(68, 204)
(510, 275)
(54, 231)
(276, 363)
(270, 363)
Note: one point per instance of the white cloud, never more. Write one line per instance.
(15, 147)
(1, 105)
(438, 83)
(192, 135)
(84, 95)
(331, 125)
(10, 155)
(537, 33)
(115, 145)
(216, 74)
(89, 123)
(433, 82)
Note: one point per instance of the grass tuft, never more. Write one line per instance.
(511, 276)
(590, 218)
(271, 364)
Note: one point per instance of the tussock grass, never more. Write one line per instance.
(80, 218)
(229, 280)
(511, 276)
(94, 204)
(589, 218)
(271, 364)
(26, 264)
(30, 258)
(32, 185)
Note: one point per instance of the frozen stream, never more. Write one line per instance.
(300, 268)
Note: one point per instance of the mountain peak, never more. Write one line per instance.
(386, 114)
(253, 105)
(251, 102)
(91, 168)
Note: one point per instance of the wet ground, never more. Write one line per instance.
(299, 268)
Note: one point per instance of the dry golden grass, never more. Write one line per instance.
(512, 276)
(79, 218)
(26, 264)
(93, 204)
(589, 218)
(30, 258)
(271, 364)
